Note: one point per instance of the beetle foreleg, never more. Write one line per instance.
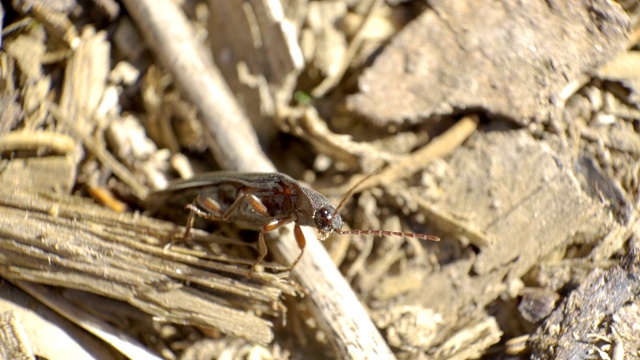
(302, 242)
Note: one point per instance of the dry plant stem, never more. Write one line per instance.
(340, 147)
(102, 154)
(36, 140)
(331, 82)
(230, 137)
(336, 306)
(439, 147)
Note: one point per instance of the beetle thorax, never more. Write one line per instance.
(315, 210)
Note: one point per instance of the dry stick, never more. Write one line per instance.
(68, 241)
(437, 148)
(334, 303)
(36, 140)
(170, 36)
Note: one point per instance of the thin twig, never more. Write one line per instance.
(437, 148)
(105, 157)
(36, 140)
(333, 80)
(335, 305)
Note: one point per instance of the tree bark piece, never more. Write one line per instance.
(583, 320)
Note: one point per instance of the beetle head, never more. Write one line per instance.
(315, 210)
(327, 220)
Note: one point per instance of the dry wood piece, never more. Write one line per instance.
(625, 69)
(86, 80)
(258, 55)
(494, 55)
(69, 242)
(470, 342)
(70, 304)
(538, 175)
(48, 334)
(540, 182)
(13, 339)
(583, 324)
(409, 328)
(24, 52)
(60, 170)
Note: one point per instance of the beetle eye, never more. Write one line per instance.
(324, 218)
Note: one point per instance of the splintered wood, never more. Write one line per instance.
(117, 256)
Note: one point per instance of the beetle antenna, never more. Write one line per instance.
(351, 191)
(354, 187)
(388, 233)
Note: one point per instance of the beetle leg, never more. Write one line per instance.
(262, 245)
(209, 209)
(209, 205)
(193, 211)
(245, 196)
(257, 205)
(262, 252)
(302, 242)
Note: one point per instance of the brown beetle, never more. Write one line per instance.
(262, 202)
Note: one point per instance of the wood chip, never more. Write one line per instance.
(578, 326)
(82, 246)
(493, 55)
